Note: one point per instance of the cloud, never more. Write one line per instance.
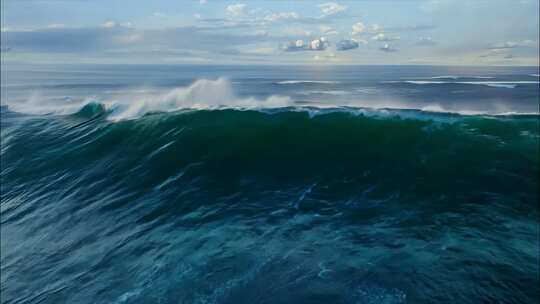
(330, 8)
(319, 44)
(412, 28)
(358, 28)
(328, 30)
(294, 46)
(375, 29)
(431, 6)
(203, 1)
(56, 25)
(324, 57)
(347, 44)
(494, 53)
(425, 41)
(295, 32)
(109, 24)
(387, 48)
(512, 44)
(281, 16)
(129, 38)
(504, 45)
(99, 40)
(261, 51)
(383, 37)
(236, 9)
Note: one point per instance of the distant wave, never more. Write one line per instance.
(328, 92)
(534, 75)
(458, 77)
(495, 84)
(307, 81)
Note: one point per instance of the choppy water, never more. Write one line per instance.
(250, 190)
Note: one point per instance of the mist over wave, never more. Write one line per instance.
(201, 94)
(220, 94)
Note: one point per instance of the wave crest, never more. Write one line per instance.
(201, 94)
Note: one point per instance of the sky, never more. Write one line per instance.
(436, 32)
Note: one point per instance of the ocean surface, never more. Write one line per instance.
(269, 184)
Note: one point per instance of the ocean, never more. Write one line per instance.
(269, 184)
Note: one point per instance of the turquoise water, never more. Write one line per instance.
(201, 195)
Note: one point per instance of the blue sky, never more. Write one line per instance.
(448, 32)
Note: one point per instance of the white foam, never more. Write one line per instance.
(307, 81)
(497, 84)
(501, 85)
(435, 108)
(456, 77)
(36, 104)
(328, 92)
(202, 94)
(534, 75)
(444, 77)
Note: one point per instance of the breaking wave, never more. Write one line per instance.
(307, 82)
(495, 84)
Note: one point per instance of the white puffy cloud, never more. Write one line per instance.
(236, 9)
(387, 48)
(327, 30)
(294, 46)
(281, 16)
(330, 8)
(203, 1)
(56, 25)
(318, 44)
(109, 24)
(358, 28)
(512, 44)
(384, 37)
(375, 28)
(425, 41)
(347, 44)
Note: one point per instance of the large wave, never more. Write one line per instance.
(219, 94)
(201, 94)
(224, 205)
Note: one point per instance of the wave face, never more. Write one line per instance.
(292, 205)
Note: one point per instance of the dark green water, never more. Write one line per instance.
(276, 206)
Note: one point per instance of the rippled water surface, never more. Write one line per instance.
(173, 185)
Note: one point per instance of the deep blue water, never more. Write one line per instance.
(264, 184)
